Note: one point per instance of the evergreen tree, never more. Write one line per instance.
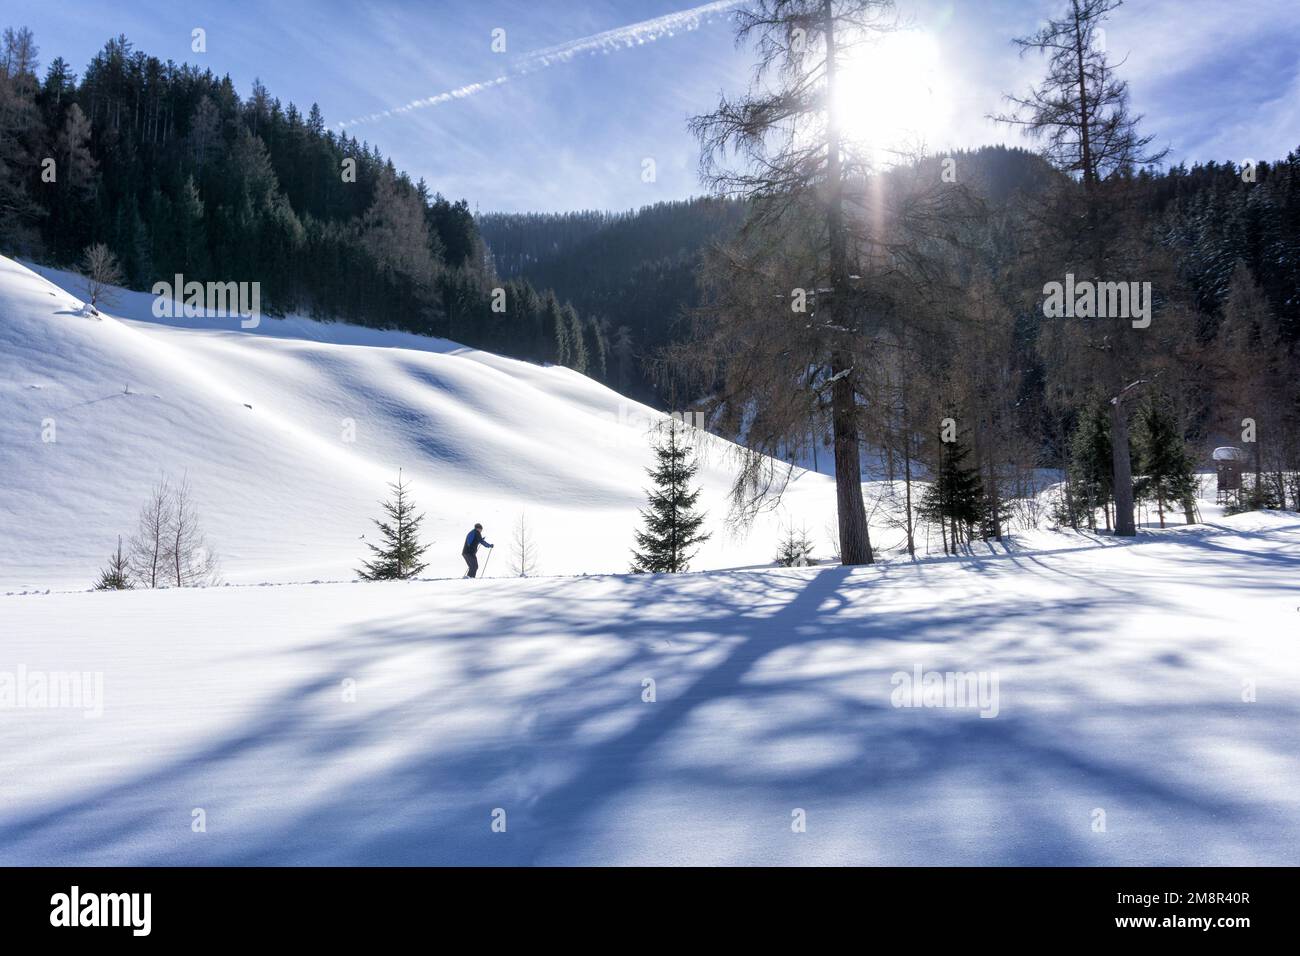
(1090, 463)
(398, 558)
(796, 549)
(117, 576)
(1166, 473)
(995, 516)
(76, 163)
(21, 131)
(576, 340)
(955, 498)
(561, 346)
(672, 528)
(598, 350)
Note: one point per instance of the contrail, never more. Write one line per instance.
(635, 34)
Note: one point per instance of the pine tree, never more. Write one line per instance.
(995, 516)
(398, 558)
(576, 340)
(1090, 462)
(117, 576)
(672, 528)
(1165, 471)
(795, 550)
(955, 499)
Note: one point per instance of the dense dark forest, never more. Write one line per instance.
(174, 172)
(633, 272)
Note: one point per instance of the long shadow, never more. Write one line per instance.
(560, 780)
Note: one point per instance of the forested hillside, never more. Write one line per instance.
(633, 272)
(962, 373)
(175, 172)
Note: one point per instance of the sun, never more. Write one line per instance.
(894, 95)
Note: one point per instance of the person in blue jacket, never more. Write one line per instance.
(470, 553)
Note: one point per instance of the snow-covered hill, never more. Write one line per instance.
(1144, 699)
(290, 432)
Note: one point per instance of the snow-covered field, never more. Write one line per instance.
(387, 723)
(1132, 702)
(288, 486)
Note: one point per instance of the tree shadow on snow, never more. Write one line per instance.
(773, 693)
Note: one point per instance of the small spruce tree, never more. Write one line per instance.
(955, 499)
(1090, 462)
(995, 517)
(1166, 474)
(117, 576)
(672, 528)
(398, 557)
(796, 549)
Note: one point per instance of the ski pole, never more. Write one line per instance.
(486, 560)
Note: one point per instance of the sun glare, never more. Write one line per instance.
(894, 96)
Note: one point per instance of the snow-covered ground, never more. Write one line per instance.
(290, 432)
(288, 486)
(1133, 702)
(1152, 688)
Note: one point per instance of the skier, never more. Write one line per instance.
(470, 553)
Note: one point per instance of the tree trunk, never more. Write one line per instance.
(995, 498)
(855, 541)
(1259, 473)
(907, 485)
(1121, 470)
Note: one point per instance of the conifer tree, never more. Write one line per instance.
(672, 528)
(398, 558)
(1165, 470)
(576, 341)
(955, 498)
(117, 576)
(795, 550)
(995, 516)
(1090, 462)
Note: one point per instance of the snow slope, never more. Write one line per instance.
(1121, 668)
(288, 486)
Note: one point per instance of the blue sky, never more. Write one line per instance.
(1214, 79)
